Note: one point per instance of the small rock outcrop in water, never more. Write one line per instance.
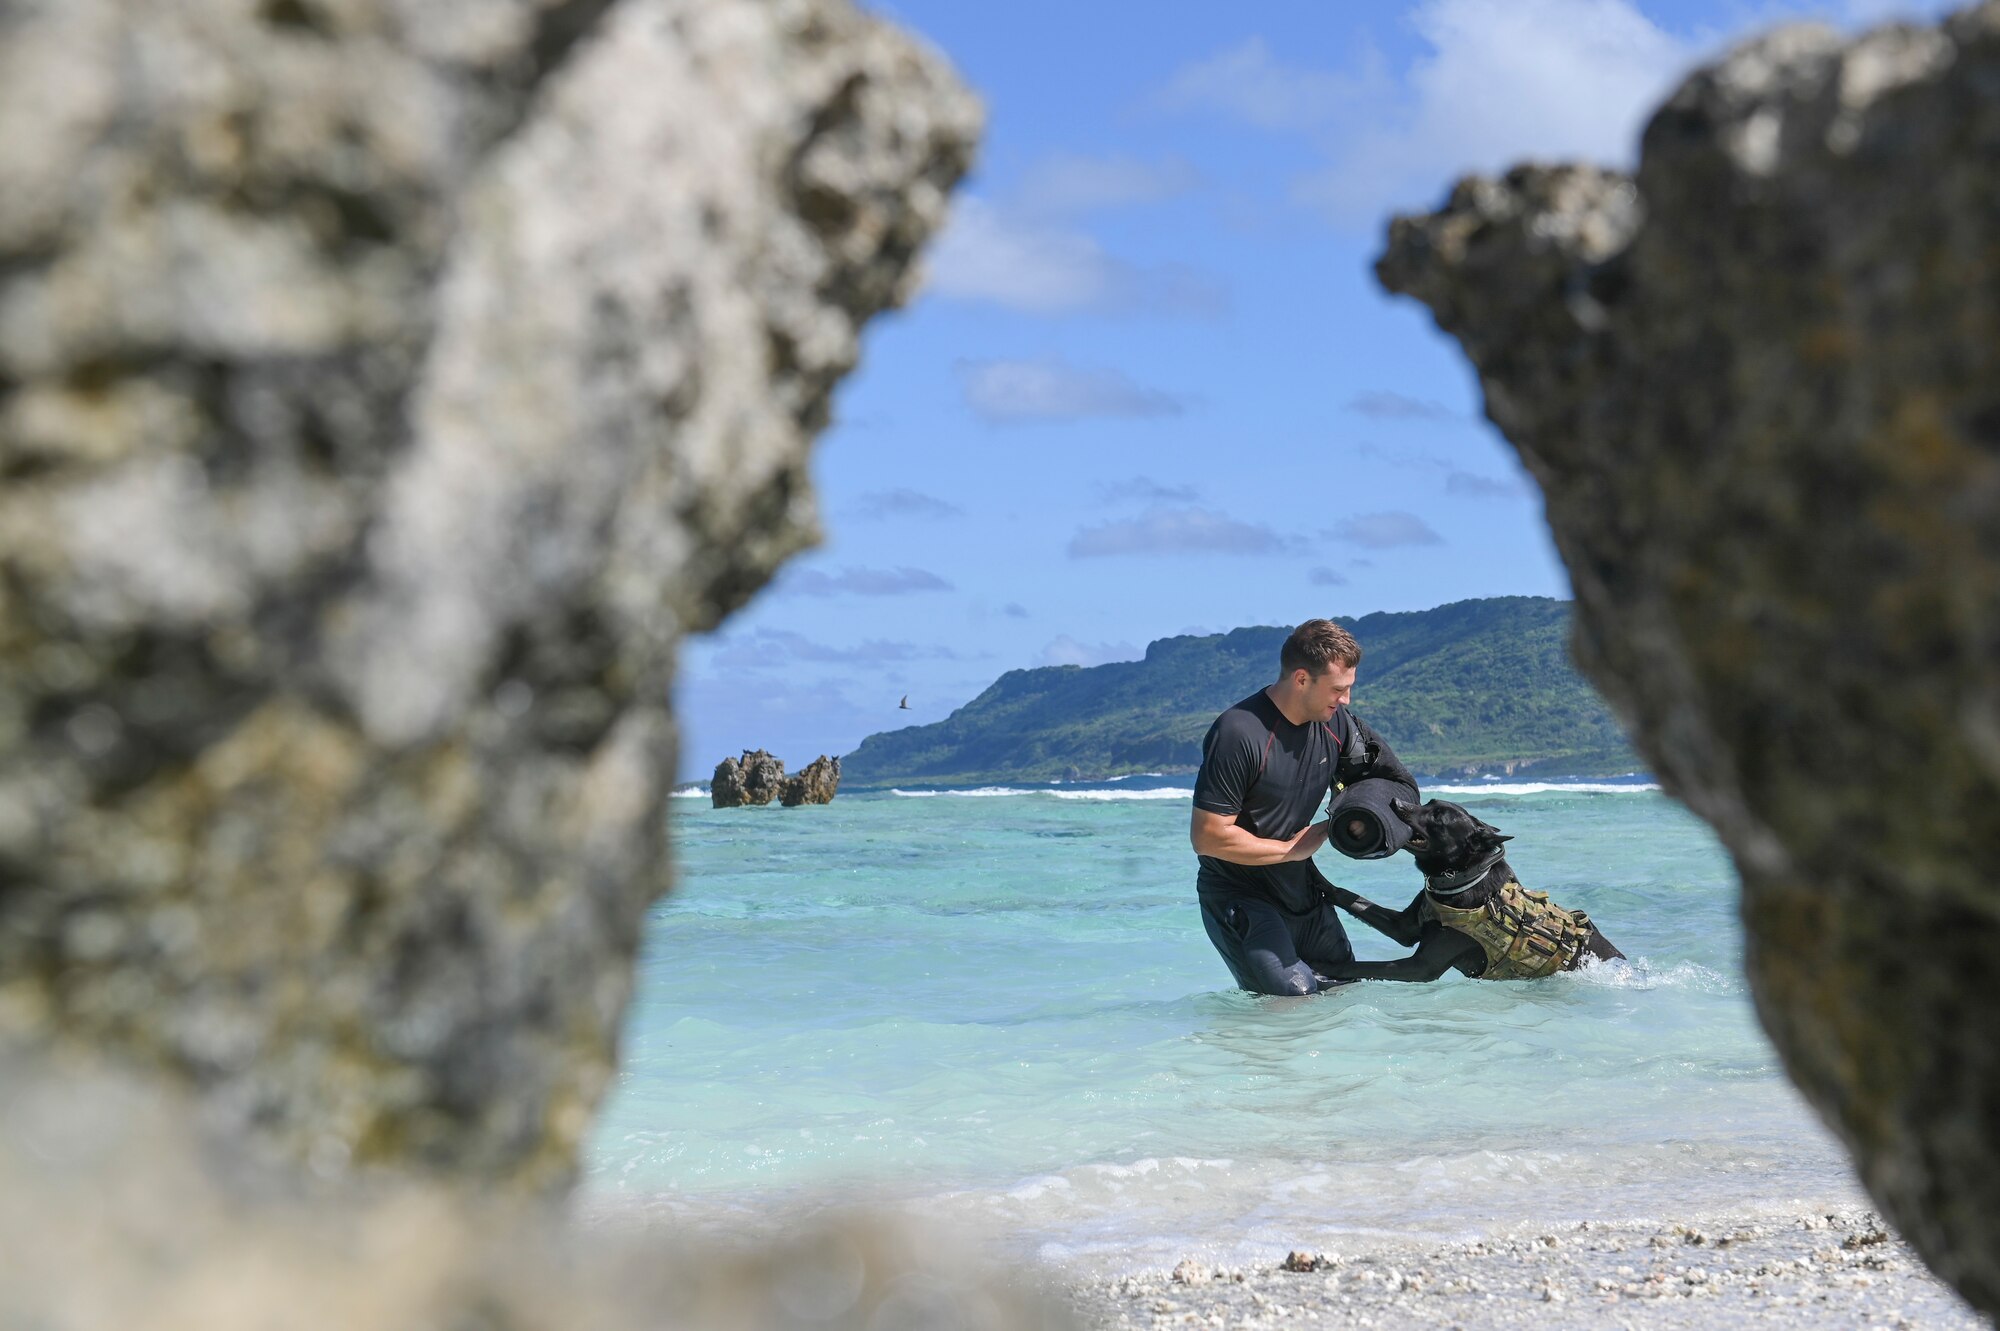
(759, 778)
(815, 783)
(756, 778)
(1760, 387)
(384, 389)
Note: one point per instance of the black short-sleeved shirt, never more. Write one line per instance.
(1272, 777)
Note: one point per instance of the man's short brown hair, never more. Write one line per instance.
(1315, 646)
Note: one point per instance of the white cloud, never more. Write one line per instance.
(1381, 531)
(1500, 81)
(1471, 485)
(1504, 80)
(1178, 531)
(774, 647)
(860, 582)
(1016, 391)
(1247, 83)
(1869, 12)
(902, 503)
(1066, 650)
(1037, 267)
(1064, 184)
(1383, 405)
(1326, 577)
(1144, 487)
(1458, 482)
(725, 713)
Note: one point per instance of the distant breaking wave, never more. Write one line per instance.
(991, 792)
(1182, 792)
(1165, 793)
(1544, 788)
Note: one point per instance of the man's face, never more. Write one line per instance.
(1325, 693)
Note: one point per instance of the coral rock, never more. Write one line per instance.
(1759, 384)
(384, 389)
(815, 783)
(755, 778)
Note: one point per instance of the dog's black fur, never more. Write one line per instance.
(1444, 838)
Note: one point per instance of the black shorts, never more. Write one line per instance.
(1271, 950)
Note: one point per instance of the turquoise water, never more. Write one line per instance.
(999, 1009)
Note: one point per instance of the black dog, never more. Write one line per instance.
(1473, 913)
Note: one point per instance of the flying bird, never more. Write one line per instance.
(905, 704)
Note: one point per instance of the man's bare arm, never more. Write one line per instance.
(1218, 835)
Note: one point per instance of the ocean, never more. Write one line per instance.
(996, 1009)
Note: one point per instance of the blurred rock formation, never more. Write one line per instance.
(1759, 384)
(815, 783)
(385, 387)
(110, 1220)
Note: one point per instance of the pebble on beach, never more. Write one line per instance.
(1842, 1268)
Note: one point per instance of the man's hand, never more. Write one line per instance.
(1308, 841)
(1219, 836)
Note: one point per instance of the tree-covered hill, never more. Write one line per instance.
(1474, 686)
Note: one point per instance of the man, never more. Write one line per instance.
(1267, 765)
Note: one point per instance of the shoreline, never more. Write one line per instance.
(1792, 1269)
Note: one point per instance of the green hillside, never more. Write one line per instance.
(1473, 686)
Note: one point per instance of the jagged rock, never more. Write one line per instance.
(725, 788)
(384, 388)
(754, 779)
(1760, 387)
(815, 783)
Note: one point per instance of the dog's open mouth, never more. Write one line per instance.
(1417, 841)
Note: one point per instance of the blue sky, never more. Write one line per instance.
(1149, 386)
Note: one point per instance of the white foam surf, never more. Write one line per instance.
(1161, 793)
(997, 792)
(1183, 792)
(1544, 788)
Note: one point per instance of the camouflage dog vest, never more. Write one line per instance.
(1524, 934)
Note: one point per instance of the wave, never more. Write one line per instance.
(996, 792)
(688, 793)
(1183, 792)
(1152, 1213)
(1544, 788)
(1640, 973)
(1160, 793)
